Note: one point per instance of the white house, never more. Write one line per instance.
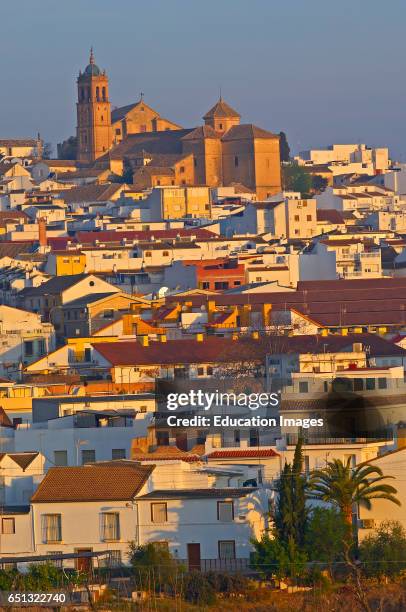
(24, 338)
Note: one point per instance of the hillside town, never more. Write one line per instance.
(147, 260)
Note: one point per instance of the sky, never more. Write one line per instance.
(321, 71)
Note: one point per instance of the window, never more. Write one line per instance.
(143, 128)
(205, 285)
(382, 383)
(200, 371)
(108, 314)
(61, 458)
(112, 559)
(370, 384)
(51, 528)
(225, 511)
(209, 371)
(297, 218)
(220, 126)
(358, 384)
(159, 512)
(226, 549)
(28, 348)
(254, 437)
(236, 161)
(303, 386)
(8, 525)
(88, 456)
(118, 453)
(148, 254)
(237, 436)
(88, 354)
(109, 526)
(165, 253)
(308, 217)
(181, 169)
(118, 132)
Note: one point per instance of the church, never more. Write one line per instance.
(221, 152)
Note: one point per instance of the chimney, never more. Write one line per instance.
(199, 337)
(42, 232)
(163, 338)
(143, 340)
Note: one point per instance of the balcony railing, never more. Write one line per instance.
(220, 565)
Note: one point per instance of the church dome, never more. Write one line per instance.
(92, 69)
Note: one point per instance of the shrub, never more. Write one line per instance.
(154, 567)
(198, 590)
(384, 552)
(228, 584)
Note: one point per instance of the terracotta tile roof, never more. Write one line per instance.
(202, 132)
(243, 131)
(375, 301)
(242, 453)
(91, 193)
(166, 453)
(330, 215)
(221, 109)
(15, 142)
(199, 493)
(99, 482)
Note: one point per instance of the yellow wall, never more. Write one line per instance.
(69, 264)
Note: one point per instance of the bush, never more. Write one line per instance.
(228, 584)
(154, 567)
(384, 552)
(198, 590)
(42, 577)
(275, 558)
(325, 537)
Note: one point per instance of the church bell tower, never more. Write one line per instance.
(93, 113)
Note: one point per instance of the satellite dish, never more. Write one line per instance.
(163, 291)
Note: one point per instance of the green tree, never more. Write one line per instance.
(284, 148)
(343, 486)
(325, 537)
(295, 178)
(290, 511)
(319, 183)
(272, 557)
(154, 567)
(384, 552)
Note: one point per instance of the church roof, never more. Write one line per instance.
(221, 109)
(167, 141)
(119, 113)
(202, 132)
(248, 130)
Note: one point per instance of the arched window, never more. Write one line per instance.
(98, 94)
(104, 94)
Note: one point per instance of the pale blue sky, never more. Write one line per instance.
(321, 71)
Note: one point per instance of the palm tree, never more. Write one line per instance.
(344, 486)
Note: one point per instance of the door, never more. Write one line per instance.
(83, 564)
(193, 556)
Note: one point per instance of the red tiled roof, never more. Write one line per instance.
(113, 236)
(227, 350)
(375, 301)
(330, 215)
(98, 482)
(243, 453)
